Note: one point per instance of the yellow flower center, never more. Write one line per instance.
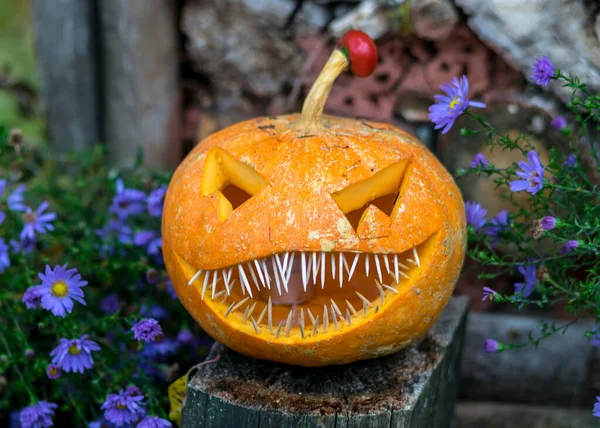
(29, 217)
(74, 350)
(454, 102)
(53, 371)
(59, 289)
(121, 407)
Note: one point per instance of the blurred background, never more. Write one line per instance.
(158, 76)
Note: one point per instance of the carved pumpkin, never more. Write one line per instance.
(311, 239)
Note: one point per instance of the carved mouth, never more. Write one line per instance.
(307, 294)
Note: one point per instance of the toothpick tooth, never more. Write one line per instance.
(226, 281)
(365, 307)
(224, 299)
(387, 287)
(303, 260)
(333, 265)
(249, 311)
(325, 319)
(345, 263)
(244, 279)
(403, 266)
(363, 298)
(254, 324)
(348, 318)
(351, 307)
(396, 268)
(403, 274)
(266, 273)
(228, 311)
(270, 315)
(301, 324)
(367, 264)
(259, 272)
(242, 287)
(246, 314)
(381, 293)
(416, 256)
(290, 266)
(288, 323)
(334, 318)
(337, 309)
(315, 267)
(195, 277)
(282, 273)
(279, 329)
(341, 269)
(301, 330)
(386, 262)
(378, 266)
(411, 261)
(310, 315)
(214, 283)
(323, 263)
(316, 326)
(253, 275)
(240, 304)
(356, 257)
(262, 315)
(285, 260)
(219, 294)
(275, 274)
(204, 286)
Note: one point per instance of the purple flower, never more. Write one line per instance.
(37, 221)
(161, 347)
(123, 408)
(116, 229)
(497, 224)
(529, 275)
(569, 246)
(16, 200)
(153, 422)
(38, 416)
(488, 293)
(475, 215)
(449, 107)
(147, 330)
(596, 411)
(53, 371)
(479, 161)
(571, 161)
(491, 346)
(74, 355)
(4, 259)
(127, 202)
(32, 297)
(110, 304)
(24, 246)
(595, 341)
(532, 174)
(154, 311)
(59, 288)
(152, 276)
(171, 288)
(543, 71)
(558, 123)
(156, 200)
(149, 239)
(548, 222)
(2, 217)
(185, 337)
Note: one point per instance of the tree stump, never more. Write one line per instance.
(415, 387)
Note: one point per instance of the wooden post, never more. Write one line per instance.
(140, 85)
(66, 54)
(415, 387)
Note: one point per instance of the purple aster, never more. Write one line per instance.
(558, 123)
(475, 215)
(147, 330)
(491, 346)
(448, 107)
(152, 276)
(479, 160)
(29, 354)
(37, 221)
(548, 222)
(127, 202)
(32, 297)
(571, 161)
(153, 422)
(2, 186)
(488, 293)
(497, 224)
(569, 246)
(185, 337)
(156, 200)
(74, 355)
(4, 259)
(24, 246)
(596, 411)
(543, 71)
(53, 371)
(171, 289)
(2, 217)
(123, 408)
(59, 288)
(161, 347)
(532, 174)
(16, 200)
(110, 304)
(529, 273)
(38, 416)
(116, 229)
(149, 239)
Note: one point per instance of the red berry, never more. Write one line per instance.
(362, 52)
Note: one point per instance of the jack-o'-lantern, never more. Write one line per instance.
(311, 239)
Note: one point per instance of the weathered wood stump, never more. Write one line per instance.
(415, 387)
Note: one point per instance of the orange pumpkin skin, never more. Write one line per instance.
(296, 212)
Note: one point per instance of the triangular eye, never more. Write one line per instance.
(382, 190)
(234, 181)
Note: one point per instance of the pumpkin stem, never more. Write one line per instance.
(312, 110)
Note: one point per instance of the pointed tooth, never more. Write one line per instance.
(262, 315)
(325, 319)
(224, 299)
(228, 311)
(386, 263)
(363, 298)
(226, 281)
(345, 263)
(215, 278)
(282, 273)
(396, 276)
(219, 294)
(403, 266)
(348, 318)
(254, 324)
(365, 305)
(285, 260)
(301, 324)
(351, 307)
(301, 330)
(316, 326)
(249, 311)
(381, 293)
(356, 257)
(303, 259)
(367, 264)
(259, 272)
(310, 315)
(333, 265)
(288, 323)
(253, 275)
(276, 275)
(403, 274)
(279, 329)
(337, 309)
(270, 314)
(315, 267)
(246, 314)
(323, 270)
(387, 287)
(290, 266)
(341, 269)
(411, 261)
(240, 304)
(204, 286)
(195, 277)
(416, 255)
(265, 268)
(334, 318)
(378, 266)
